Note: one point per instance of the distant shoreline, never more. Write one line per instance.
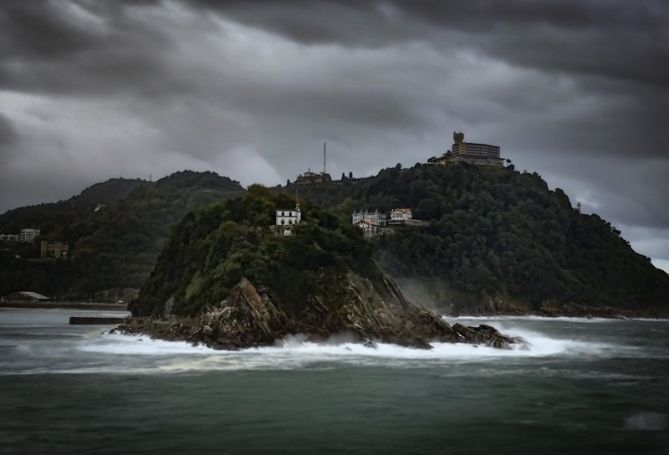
(64, 305)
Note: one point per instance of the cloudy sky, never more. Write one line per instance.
(575, 90)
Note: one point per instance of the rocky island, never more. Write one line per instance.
(230, 278)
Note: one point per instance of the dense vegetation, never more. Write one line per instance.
(212, 249)
(494, 234)
(498, 232)
(113, 247)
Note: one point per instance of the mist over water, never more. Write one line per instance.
(579, 386)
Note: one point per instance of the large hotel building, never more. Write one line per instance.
(471, 152)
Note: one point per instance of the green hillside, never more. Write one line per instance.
(112, 247)
(213, 248)
(229, 279)
(498, 240)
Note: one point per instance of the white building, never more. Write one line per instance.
(29, 234)
(374, 217)
(400, 215)
(288, 217)
(10, 237)
(368, 229)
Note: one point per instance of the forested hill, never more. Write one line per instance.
(54, 217)
(115, 230)
(499, 241)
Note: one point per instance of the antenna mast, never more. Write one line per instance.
(325, 151)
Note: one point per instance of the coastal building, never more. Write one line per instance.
(368, 229)
(400, 214)
(471, 153)
(10, 237)
(54, 249)
(28, 235)
(286, 219)
(373, 223)
(404, 216)
(374, 217)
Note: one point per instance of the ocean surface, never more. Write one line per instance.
(583, 386)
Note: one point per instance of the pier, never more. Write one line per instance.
(96, 319)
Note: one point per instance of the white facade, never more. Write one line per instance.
(368, 229)
(374, 217)
(288, 217)
(400, 215)
(28, 234)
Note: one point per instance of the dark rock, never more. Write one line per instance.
(486, 335)
(248, 317)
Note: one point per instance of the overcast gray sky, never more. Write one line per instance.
(575, 90)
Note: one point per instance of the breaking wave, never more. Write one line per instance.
(140, 354)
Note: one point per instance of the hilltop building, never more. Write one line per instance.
(470, 152)
(54, 249)
(309, 178)
(28, 235)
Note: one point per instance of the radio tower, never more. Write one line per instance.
(325, 152)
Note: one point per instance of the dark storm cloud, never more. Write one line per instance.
(576, 90)
(79, 47)
(609, 39)
(7, 133)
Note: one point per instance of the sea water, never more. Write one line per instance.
(579, 386)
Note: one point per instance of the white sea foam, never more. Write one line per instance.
(532, 318)
(295, 352)
(114, 343)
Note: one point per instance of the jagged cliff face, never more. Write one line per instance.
(249, 318)
(226, 280)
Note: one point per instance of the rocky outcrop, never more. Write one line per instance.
(249, 317)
